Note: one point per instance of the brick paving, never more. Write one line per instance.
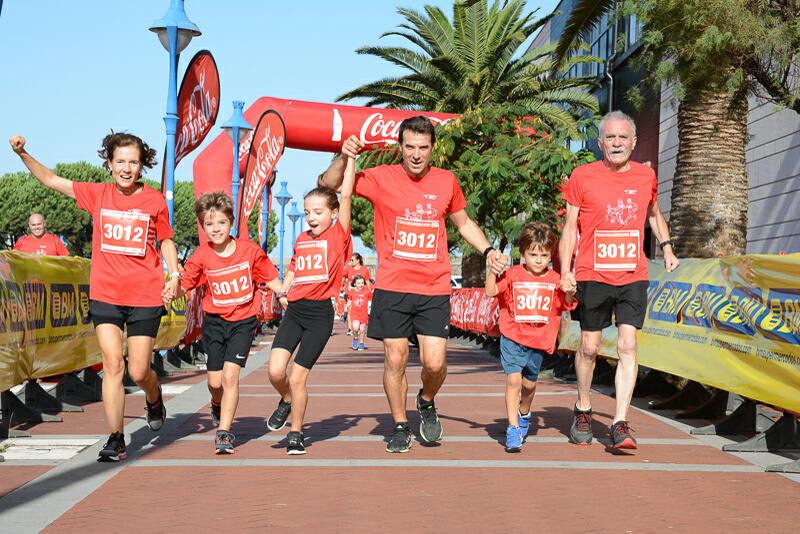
(347, 483)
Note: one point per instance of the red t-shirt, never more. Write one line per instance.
(126, 269)
(47, 245)
(531, 307)
(613, 209)
(351, 272)
(359, 304)
(232, 282)
(318, 264)
(410, 232)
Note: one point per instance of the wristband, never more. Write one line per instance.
(175, 275)
(486, 252)
(281, 294)
(664, 244)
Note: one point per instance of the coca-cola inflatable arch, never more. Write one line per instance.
(308, 126)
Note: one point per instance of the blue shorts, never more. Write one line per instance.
(516, 358)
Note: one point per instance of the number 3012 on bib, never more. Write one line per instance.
(616, 250)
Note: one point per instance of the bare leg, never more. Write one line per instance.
(215, 386)
(109, 338)
(584, 366)
(278, 362)
(627, 370)
(395, 383)
(433, 353)
(230, 394)
(513, 386)
(297, 382)
(526, 396)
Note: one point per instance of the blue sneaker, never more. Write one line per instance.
(355, 345)
(361, 346)
(513, 439)
(524, 424)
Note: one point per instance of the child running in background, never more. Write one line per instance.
(531, 303)
(359, 298)
(231, 269)
(315, 276)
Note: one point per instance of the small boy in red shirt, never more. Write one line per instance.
(232, 270)
(531, 303)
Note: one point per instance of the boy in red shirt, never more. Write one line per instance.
(359, 297)
(231, 269)
(531, 303)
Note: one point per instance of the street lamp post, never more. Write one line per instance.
(265, 216)
(237, 129)
(175, 31)
(294, 216)
(283, 197)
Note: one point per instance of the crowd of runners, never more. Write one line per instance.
(601, 275)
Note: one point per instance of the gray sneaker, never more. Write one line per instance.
(223, 442)
(580, 432)
(430, 429)
(279, 417)
(401, 439)
(156, 413)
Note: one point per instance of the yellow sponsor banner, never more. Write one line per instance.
(732, 323)
(45, 328)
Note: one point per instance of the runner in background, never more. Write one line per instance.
(127, 274)
(354, 267)
(531, 303)
(359, 298)
(314, 277)
(39, 241)
(231, 269)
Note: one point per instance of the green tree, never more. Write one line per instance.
(252, 227)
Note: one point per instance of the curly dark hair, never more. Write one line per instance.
(114, 140)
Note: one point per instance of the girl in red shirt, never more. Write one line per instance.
(353, 268)
(314, 276)
(359, 298)
(230, 269)
(531, 302)
(127, 275)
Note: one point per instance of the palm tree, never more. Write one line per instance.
(477, 60)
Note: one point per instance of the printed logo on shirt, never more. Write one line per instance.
(422, 213)
(623, 212)
(430, 196)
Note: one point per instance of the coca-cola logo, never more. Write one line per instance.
(267, 154)
(377, 130)
(197, 123)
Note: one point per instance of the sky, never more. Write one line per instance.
(73, 70)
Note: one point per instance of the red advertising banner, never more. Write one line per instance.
(198, 105)
(265, 149)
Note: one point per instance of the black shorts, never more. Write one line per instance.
(307, 323)
(227, 341)
(597, 301)
(397, 315)
(141, 320)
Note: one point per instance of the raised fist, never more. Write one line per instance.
(17, 144)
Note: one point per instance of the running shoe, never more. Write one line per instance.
(581, 431)
(349, 332)
(215, 412)
(513, 439)
(114, 449)
(355, 345)
(524, 424)
(401, 439)
(361, 346)
(621, 436)
(279, 417)
(223, 442)
(430, 430)
(156, 413)
(295, 443)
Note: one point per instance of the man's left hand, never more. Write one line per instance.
(671, 262)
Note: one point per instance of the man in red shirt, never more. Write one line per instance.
(412, 287)
(39, 241)
(608, 202)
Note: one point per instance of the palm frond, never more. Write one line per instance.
(585, 14)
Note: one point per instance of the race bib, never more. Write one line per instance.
(123, 232)
(230, 286)
(416, 240)
(533, 301)
(311, 262)
(616, 250)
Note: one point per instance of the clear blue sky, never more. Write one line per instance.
(73, 70)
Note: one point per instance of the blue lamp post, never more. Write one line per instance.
(237, 129)
(294, 216)
(283, 197)
(175, 31)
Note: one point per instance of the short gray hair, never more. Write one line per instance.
(615, 116)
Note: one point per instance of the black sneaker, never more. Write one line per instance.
(295, 443)
(401, 439)
(279, 417)
(215, 409)
(114, 449)
(156, 413)
(223, 442)
(580, 432)
(621, 436)
(430, 430)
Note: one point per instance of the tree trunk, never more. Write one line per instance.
(472, 270)
(710, 192)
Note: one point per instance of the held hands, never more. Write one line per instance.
(496, 261)
(170, 291)
(352, 146)
(284, 302)
(568, 284)
(17, 144)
